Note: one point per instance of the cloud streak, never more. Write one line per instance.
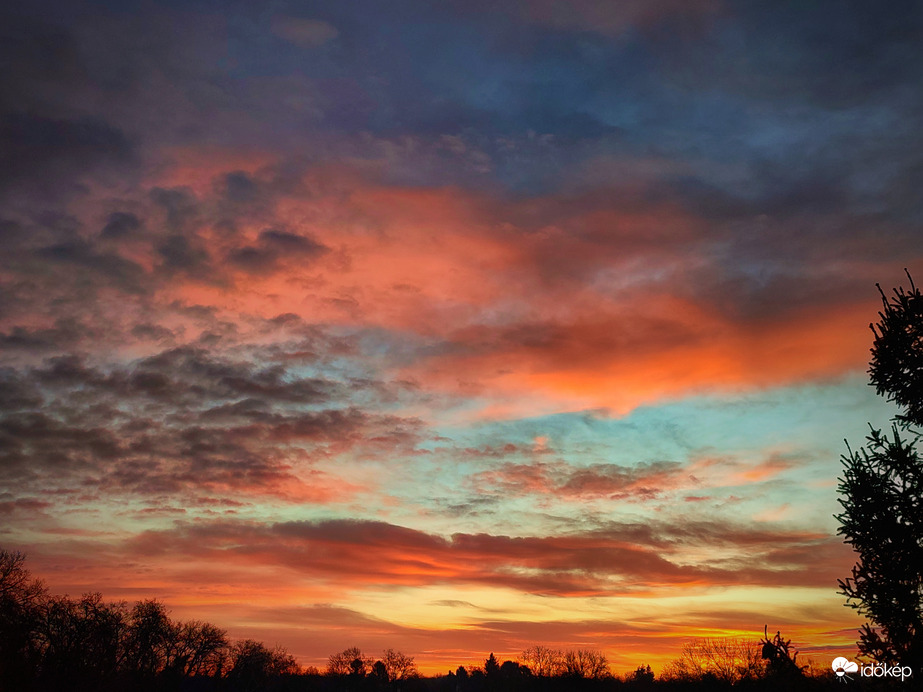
(615, 559)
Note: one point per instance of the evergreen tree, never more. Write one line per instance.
(882, 494)
(491, 666)
(896, 370)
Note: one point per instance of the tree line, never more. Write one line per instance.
(55, 642)
(50, 642)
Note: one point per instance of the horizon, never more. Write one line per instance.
(456, 328)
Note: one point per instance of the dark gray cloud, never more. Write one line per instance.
(802, 108)
(179, 253)
(47, 161)
(238, 186)
(64, 331)
(835, 54)
(179, 204)
(109, 266)
(153, 332)
(183, 422)
(120, 224)
(49, 143)
(272, 246)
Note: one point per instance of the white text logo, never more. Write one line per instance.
(843, 667)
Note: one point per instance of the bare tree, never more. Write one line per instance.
(253, 664)
(398, 666)
(350, 661)
(150, 638)
(21, 597)
(585, 663)
(62, 643)
(82, 640)
(16, 582)
(200, 649)
(727, 660)
(542, 661)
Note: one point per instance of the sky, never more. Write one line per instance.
(451, 327)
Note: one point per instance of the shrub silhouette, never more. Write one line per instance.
(780, 662)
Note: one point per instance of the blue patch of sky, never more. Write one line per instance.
(814, 418)
(804, 425)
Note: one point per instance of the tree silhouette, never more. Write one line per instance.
(491, 666)
(584, 663)
(882, 494)
(398, 665)
(253, 665)
(515, 675)
(82, 641)
(728, 661)
(642, 676)
(542, 661)
(350, 661)
(780, 661)
(380, 673)
(58, 643)
(896, 370)
(200, 649)
(150, 638)
(20, 621)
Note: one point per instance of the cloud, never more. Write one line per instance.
(607, 297)
(304, 33)
(588, 300)
(272, 246)
(606, 18)
(187, 423)
(621, 558)
(120, 224)
(63, 331)
(109, 266)
(640, 482)
(36, 146)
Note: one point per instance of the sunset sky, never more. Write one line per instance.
(451, 327)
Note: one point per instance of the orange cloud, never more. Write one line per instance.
(620, 361)
(568, 302)
(624, 559)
